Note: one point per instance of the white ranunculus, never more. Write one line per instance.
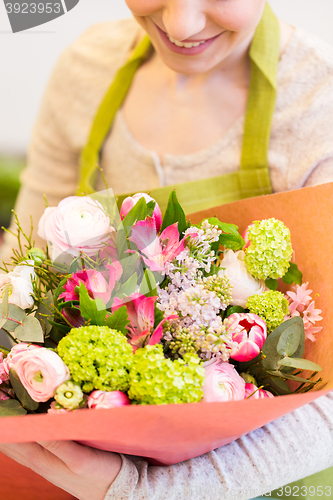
(77, 224)
(243, 284)
(19, 282)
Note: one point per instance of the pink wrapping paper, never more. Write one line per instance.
(173, 433)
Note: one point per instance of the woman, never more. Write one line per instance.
(224, 89)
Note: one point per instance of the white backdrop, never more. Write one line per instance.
(26, 58)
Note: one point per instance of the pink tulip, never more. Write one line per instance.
(15, 354)
(129, 203)
(99, 400)
(249, 333)
(141, 313)
(158, 250)
(41, 371)
(222, 383)
(252, 391)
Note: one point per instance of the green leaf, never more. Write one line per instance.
(269, 348)
(20, 391)
(63, 328)
(174, 213)
(150, 208)
(60, 289)
(92, 310)
(14, 313)
(271, 284)
(159, 315)
(148, 284)
(119, 320)
(30, 330)
(130, 264)
(137, 213)
(230, 237)
(11, 408)
(277, 384)
(129, 287)
(293, 275)
(232, 310)
(290, 338)
(300, 363)
(289, 376)
(44, 314)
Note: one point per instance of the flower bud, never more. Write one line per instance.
(69, 395)
(252, 391)
(249, 379)
(37, 255)
(248, 332)
(104, 400)
(130, 201)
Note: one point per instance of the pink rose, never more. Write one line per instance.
(16, 353)
(129, 203)
(256, 393)
(41, 371)
(3, 373)
(222, 383)
(103, 400)
(77, 224)
(249, 333)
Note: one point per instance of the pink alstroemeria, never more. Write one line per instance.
(252, 391)
(158, 249)
(129, 203)
(141, 313)
(94, 282)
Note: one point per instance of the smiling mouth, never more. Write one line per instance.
(189, 44)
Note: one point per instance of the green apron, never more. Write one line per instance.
(252, 179)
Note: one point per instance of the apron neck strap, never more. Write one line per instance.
(264, 55)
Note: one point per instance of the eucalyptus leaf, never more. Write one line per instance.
(118, 320)
(174, 213)
(269, 349)
(300, 363)
(278, 384)
(20, 391)
(271, 283)
(14, 313)
(11, 408)
(92, 310)
(290, 338)
(293, 275)
(30, 330)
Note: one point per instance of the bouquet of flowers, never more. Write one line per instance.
(151, 310)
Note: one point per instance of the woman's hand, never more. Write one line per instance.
(83, 472)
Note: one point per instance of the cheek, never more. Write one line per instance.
(238, 15)
(142, 8)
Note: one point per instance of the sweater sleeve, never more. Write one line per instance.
(286, 450)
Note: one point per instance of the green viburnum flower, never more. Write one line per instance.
(270, 251)
(97, 358)
(69, 395)
(157, 380)
(270, 306)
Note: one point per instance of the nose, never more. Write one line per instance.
(183, 19)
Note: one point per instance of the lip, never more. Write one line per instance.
(183, 50)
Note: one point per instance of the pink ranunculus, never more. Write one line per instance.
(252, 391)
(78, 224)
(99, 400)
(41, 371)
(129, 203)
(249, 333)
(222, 383)
(16, 353)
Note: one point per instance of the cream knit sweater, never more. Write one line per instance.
(301, 154)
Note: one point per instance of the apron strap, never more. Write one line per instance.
(253, 177)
